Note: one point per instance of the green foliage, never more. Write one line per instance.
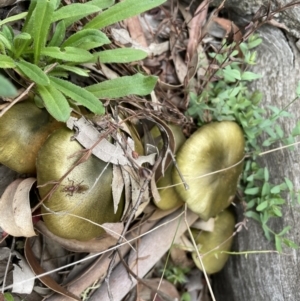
(176, 274)
(6, 88)
(8, 297)
(186, 296)
(45, 53)
(228, 98)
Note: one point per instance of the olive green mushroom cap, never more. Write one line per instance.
(213, 147)
(169, 197)
(211, 244)
(85, 192)
(23, 130)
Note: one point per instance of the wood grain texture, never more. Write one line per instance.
(270, 277)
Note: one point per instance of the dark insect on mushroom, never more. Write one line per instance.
(74, 188)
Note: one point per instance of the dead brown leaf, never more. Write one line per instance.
(195, 29)
(15, 214)
(38, 270)
(136, 31)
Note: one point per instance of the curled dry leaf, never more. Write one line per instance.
(117, 185)
(51, 256)
(38, 270)
(15, 214)
(195, 29)
(180, 67)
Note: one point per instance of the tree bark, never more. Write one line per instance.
(270, 276)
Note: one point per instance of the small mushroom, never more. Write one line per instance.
(169, 197)
(212, 244)
(211, 163)
(23, 130)
(83, 200)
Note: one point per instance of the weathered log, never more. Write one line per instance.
(270, 277)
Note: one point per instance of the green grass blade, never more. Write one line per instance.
(119, 55)
(74, 69)
(8, 33)
(102, 3)
(121, 11)
(6, 43)
(28, 25)
(86, 36)
(34, 73)
(21, 43)
(75, 11)
(70, 54)
(137, 84)
(13, 18)
(42, 17)
(79, 95)
(6, 61)
(59, 34)
(55, 102)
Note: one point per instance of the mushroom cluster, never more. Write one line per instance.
(32, 142)
(210, 162)
(78, 200)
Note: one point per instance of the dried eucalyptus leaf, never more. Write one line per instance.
(141, 208)
(87, 136)
(15, 214)
(126, 178)
(21, 273)
(117, 186)
(154, 190)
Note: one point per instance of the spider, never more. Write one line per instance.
(74, 188)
